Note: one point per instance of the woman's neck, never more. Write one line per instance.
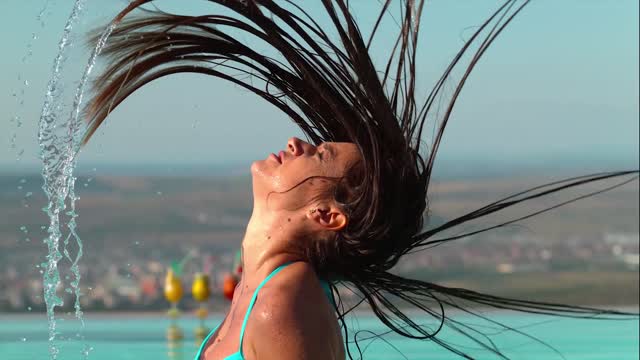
(267, 244)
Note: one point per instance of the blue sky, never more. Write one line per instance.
(558, 88)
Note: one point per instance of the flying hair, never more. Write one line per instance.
(329, 86)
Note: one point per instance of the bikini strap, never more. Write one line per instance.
(205, 341)
(327, 292)
(253, 300)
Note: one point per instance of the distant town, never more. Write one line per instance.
(132, 228)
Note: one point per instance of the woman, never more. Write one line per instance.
(292, 318)
(344, 208)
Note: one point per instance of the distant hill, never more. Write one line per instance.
(138, 224)
(197, 207)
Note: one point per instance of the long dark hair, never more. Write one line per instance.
(333, 92)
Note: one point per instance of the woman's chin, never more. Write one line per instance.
(259, 168)
(255, 167)
(264, 168)
(260, 175)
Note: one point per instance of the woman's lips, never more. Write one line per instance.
(276, 158)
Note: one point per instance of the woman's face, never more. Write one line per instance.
(300, 160)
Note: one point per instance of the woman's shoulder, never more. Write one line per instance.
(291, 307)
(290, 295)
(296, 285)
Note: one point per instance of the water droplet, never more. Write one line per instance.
(24, 339)
(19, 187)
(137, 243)
(27, 240)
(29, 308)
(24, 229)
(159, 193)
(26, 83)
(87, 351)
(22, 181)
(28, 195)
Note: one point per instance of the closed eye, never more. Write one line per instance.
(323, 150)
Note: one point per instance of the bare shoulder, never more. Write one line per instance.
(292, 318)
(294, 294)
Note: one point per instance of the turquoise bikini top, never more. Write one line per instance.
(238, 355)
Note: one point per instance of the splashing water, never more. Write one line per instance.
(19, 95)
(59, 144)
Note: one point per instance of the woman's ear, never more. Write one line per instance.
(328, 217)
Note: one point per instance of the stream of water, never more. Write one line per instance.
(59, 137)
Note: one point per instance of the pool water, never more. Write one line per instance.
(139, 337)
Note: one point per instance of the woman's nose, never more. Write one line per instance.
(296, 146)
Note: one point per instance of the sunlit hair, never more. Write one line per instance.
(329, 86)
